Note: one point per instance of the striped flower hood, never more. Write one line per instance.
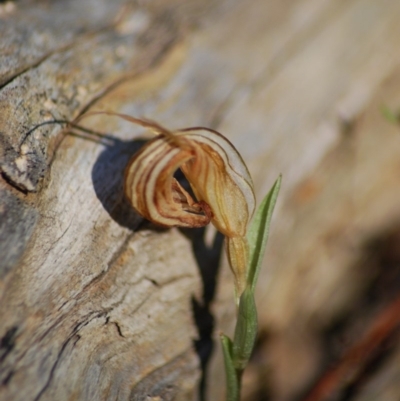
(216, 173)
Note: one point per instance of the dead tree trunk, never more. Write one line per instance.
(95, 303)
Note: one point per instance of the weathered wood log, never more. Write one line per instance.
(91, 308)
(95, 303)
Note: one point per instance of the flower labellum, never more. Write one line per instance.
(217, 175)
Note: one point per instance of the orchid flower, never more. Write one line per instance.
(224, 196)
(217, 175)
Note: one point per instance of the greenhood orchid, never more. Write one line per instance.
(224, 196)
(217, 175)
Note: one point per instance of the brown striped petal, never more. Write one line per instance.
(217, 174)
(220, 178)
(155, 193)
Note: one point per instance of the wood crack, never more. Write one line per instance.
(71, 337)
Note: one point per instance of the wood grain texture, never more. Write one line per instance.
(96, 304)
(91, 309)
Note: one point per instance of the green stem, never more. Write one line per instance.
(233, 380)
(237, 353)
